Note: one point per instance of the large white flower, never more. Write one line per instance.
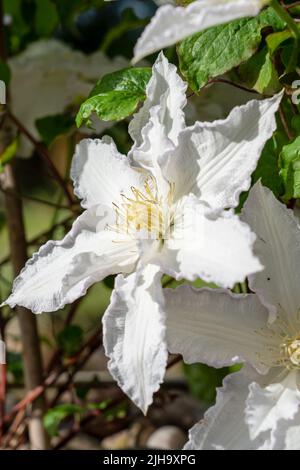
(159, 210)
(259, 407)
(172, 24)
(48, 77)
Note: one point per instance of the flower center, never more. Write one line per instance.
(282, 347)
(291, 351)
(145, 211)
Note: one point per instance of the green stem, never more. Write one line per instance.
(286, 17)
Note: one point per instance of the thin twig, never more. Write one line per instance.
(90, 416)
(57, 354)
(228, 82)
(36, 200)
(73, 310)
(79, 361)
(291, 24)
(91, 345)
(288, 132)
(173, 361)
(14, 427)
(88, 348)
(87, 419)
(39, 238)
(43, 152)
(291, 5)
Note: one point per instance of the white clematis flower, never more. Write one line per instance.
(159, 210)
(259, 407)
(172, 24)
(48, 77)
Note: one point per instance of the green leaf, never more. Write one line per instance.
(70, 339)
(289, 56)
(275, 40)
(290, 169)
(203, 380)
(55, 416)
(116, 95)
(52, 127)
(14, 8)
(8, 154)
(260, 74)
(46, 17)
(219, 49)
(295, 123)
(99, 406)
(267, 169)
(116, 412)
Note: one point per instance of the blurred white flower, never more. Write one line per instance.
(259, 407)
(48, 77)
(159, 210)
(172, 24)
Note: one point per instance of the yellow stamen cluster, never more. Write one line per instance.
(144, 211)
(283, 339)
(291, 352)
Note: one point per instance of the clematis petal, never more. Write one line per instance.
(101, 174)
(215, 327)
(292, 441)
(286, 436)
(62, 271)
(134, 335)
(278, 247)
(155, 128)
(221, 156)
(267, 405)
(215, 249)
(224, 426)
(166, 94)
(172, 24)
